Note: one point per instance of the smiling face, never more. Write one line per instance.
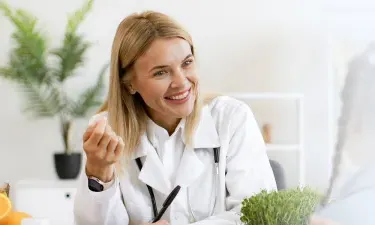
(165, 77)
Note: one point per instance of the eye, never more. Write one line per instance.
(187, 62)
(160, 73)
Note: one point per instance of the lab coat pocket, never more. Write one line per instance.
(202, 204)
(138, 213)
(202, 194)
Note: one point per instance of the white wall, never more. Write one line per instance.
(242, 46)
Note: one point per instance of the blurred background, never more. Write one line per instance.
(287, 59)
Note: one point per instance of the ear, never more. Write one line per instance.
(131, 89)
(128, 84)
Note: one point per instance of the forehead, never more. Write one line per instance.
(165, 51)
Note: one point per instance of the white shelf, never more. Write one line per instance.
(282, 147)
(297, 150)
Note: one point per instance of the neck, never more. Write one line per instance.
(169, 124)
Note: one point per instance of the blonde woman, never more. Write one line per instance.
(155, 134)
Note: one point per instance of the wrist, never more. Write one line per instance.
(105, 174)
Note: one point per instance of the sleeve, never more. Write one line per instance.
(99, 208)
(248, 170)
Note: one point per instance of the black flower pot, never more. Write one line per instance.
(67, 166)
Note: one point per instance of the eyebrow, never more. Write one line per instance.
(164, 66)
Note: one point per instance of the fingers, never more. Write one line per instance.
(106, 137)
(88, 132)
(110, 156)
(98, 132)
(113, 142)
(101, 144)
(119, 148)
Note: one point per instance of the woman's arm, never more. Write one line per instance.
(99, 208)
(248, 168)
(106, 207)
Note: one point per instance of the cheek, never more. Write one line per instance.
(153, 91)
(192, 76)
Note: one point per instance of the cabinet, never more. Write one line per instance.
(286, 110)
(52, 200)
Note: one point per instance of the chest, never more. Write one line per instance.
(199, 181)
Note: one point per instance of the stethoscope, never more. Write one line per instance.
(174, 192)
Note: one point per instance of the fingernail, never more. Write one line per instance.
(101, 120)
(92, 123)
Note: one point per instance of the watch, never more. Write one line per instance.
(97, 185)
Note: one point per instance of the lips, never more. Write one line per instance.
(180, 95)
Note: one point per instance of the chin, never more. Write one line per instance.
(182, 112)
(186, 113)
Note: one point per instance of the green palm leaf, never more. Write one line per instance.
(89, 98)
(71, 56)
(41, 101)
(43, 85)
(71, 53)
(29, 53)
(77, 17)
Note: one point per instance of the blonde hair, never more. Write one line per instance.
(126, 112)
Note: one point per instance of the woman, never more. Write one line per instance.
(155, 134)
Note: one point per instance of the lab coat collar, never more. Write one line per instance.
(153, 172)
(206, 135)
(190, 168)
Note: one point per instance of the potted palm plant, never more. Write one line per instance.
(40, 72)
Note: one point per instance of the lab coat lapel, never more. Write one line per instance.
(206, 136)
(190, 168)
(153, 172)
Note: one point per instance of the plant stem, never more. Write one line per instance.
(66, 128)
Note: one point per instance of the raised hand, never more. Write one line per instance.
(103, 149)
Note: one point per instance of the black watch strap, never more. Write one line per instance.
(95, 185)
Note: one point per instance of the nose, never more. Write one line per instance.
(178, 79)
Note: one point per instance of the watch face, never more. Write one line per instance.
(95, 185)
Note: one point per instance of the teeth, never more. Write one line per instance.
(179, 97)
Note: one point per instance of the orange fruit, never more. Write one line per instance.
(5, 206)
(14, 218)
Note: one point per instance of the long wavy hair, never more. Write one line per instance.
(126, 112)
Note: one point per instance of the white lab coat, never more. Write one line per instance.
(244, 171)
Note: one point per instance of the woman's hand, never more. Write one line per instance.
(161, 222)
(103, 149)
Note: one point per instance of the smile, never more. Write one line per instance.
(180, 97)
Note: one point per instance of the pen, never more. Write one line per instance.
(167, 203)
